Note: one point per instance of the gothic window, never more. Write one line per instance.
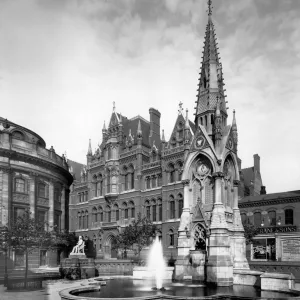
(153, 181)
(172, 173)
(171, 237)
(132, 180)
(148, 183)
(172, 207)
(100, 214)
(205, 120)
(132, 208)
(257, 219)
(116, 208)
(180, 205)
(79, 197)
(289, 216)
(108, 214)
(94, 214)
(126, 181)
(126, 213)
(108, 183)
(147, 204)
(153, 210)
(96, 188)
(20, 185)
(159, 179)
(79, 220)
(201, 121)
(83, 220)
(272, 217)
(159, 210)
(109, 152)
(100, 185)
(211, 119)
(95, 243)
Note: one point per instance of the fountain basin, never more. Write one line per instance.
(125, 288)
(145, 273)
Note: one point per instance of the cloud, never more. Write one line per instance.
(63, 63)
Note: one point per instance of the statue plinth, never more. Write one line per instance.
(77, 255)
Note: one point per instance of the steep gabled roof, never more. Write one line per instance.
(76, 168)
(280, 195)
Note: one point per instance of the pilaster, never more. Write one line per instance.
(51, 205)
(32, 194)
(63, 206)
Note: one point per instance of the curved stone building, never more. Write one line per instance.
(32, 176)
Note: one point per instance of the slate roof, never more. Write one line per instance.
(77, 167)
(281, 195)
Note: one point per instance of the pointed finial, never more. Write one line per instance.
(139, 130)
(209, 7)
(163, 136)
(180, 108)
(114, 106)
(218, 106)
(234, 120)
(90, 152)
(104, 127)
(187, 119)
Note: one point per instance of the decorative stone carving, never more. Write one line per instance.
(42, 202)
(236, 183)
(218, 175)
(185, 182)
(21, 198)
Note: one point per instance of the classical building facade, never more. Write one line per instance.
(188, 186)
(276, 247)
(32, 177)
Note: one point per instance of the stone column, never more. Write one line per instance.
(219, 265)
(51, 205)
(32, 194)
(183, 248)
(238, 243)
(62, 207)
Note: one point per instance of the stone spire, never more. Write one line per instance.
(211, 79)
(90, 152)
(234, 130)
(139, 132)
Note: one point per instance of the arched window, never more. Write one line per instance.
(83, 219)
(171, 235)
(147, 204)
(108, 183)
(109, 152)
(272, 217)
(132, 180)
(244, 218)
(159, 180)
(153, 211)
(201, 121)
(153, 179)
(289, 216)
(126, 181)
(179, 170)
(172, 207)
(132, 208)
(211, 119)
(87, 219)
(148, 183)
(257, 219)
(125, 210)
(205, 120)
(116, 208)
(20, 185)
(159, 210)
(79, 220)
(100, 214)
(108, 211)
(18, 135)
(180, 205)
(172, 173)
(94, 215)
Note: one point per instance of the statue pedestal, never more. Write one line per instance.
(77, 266)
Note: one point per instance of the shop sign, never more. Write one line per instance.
(277, 229)
(291, 250)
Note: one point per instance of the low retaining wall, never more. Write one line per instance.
(277, 267)
(277, 282)
(143, 273)
(247, 277)
(114, 267)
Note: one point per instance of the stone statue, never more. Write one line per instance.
(79, 248)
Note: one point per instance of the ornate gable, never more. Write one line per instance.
(229, 142)
(201, 140)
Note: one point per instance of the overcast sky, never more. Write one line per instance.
(63, 63)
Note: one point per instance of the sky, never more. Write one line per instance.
(64, 62)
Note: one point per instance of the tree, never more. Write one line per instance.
(27, 235)
(135, 236)
(250, 232)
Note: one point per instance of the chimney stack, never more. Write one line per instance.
(256, 162)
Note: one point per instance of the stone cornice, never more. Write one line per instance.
(269, 202)
(14, 155)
